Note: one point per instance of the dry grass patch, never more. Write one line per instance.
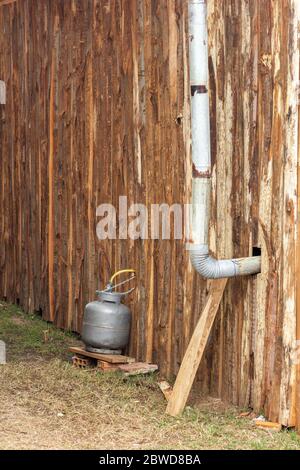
(48, 404)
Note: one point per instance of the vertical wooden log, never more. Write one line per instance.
(297, 384)
(51, 179)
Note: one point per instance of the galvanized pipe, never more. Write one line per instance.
(202, 261)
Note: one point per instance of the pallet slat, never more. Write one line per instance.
(114, 359)
(129, 368)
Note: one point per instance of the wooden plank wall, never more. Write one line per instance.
(98, 107)
(254, 72)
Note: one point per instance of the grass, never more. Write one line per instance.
(48, 404)
(24, 334)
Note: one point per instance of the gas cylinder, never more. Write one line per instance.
(107, 321)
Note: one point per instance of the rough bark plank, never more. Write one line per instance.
(297, 282)
(195, 350)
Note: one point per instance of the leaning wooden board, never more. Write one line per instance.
(194, 352)
(112, 358)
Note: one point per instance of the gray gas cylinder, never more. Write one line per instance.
(106, 324)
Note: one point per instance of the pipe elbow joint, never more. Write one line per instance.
(211, 268)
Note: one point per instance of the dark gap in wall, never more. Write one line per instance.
(39, 312)
(256, 251)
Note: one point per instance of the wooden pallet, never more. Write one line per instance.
(110, 363)
(112, 358)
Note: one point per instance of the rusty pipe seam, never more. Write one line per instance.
(206, 265)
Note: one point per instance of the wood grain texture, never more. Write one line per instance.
(113, 358)
(98, 107)
(195, 350)
(295, 417)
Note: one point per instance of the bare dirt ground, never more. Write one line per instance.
(45, 403)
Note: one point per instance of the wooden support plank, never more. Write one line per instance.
(112, 358)
(194, 352)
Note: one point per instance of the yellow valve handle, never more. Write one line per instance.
(121, 272)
